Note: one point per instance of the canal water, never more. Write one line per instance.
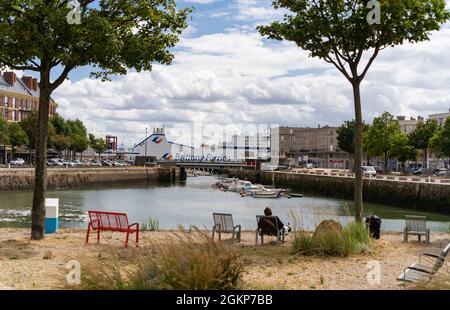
(192, 203)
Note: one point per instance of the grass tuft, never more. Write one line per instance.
(150, 224)
(195, 262)
(353, 239)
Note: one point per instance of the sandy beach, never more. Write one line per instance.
(26, 264)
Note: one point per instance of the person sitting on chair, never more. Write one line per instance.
(267, 223)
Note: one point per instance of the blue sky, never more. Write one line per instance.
(225, 73)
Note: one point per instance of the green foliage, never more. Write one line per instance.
(420, 137)
(4, 137)
(402, 150)
(381, 136)
(98, 144)
(346, 136)
(193, 262)
(17, 136)
(60, 143)
(150, 224)
(29, 125)
(440, 143)
(353, 239)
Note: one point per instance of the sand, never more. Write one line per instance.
(26, 264)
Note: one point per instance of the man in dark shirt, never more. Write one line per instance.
(271, 224)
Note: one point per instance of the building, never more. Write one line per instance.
(300, 145)
(408, 125)
(440, 117)
(19, 97)
(246, 147)
(156, 147)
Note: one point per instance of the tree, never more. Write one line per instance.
(4, 139)
(402, 150)
(342, 32)
(60, 143)
(440, 143)
(346, 136)
(98, 145)
(30, 125)
(111, 36)
(381, 135)
(78, 144)
(421, 136)
(17, 136)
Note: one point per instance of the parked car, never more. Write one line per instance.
(106, 163)
(379, 169)
(369, 171)
(416, 171)
(442, 172)
(96, 163)
(17, 162)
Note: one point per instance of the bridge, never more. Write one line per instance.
(209, 166)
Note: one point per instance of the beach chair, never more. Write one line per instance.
(223, 223)
(268, 225)
(429, 264)
(416, 225)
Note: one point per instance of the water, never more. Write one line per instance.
(192, 203)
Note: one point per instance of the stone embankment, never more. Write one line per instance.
(23, 178)
(412, 194)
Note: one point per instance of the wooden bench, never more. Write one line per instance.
(111, 221)
(223, 223)
(268, 225)
(416, 225)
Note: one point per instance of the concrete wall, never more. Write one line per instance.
(23, 179)
(412, 195)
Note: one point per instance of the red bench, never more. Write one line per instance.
(111, 221)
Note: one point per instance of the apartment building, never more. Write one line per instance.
(407, 126)
(440, 117)
(314, 145)
(19, 97)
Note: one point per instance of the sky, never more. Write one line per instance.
(225, 73)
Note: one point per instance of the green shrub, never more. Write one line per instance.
(194, 262)
(150, 224)
(353, 239)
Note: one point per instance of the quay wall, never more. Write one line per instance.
(23, 179)
(429, 197)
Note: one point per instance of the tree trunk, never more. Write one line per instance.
(40, 178)
(358, 187)
(386, 163)
(425, 158)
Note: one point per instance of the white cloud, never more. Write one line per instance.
(237, 76)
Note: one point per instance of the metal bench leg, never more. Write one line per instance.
(98, 234)
(256, 238)
(428, 236)
(88, 232)
(213, 230)
(420, 238)
(137, 236)
(126, 239)
(405, 236)
(220, 236)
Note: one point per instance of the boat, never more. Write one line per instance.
(239, 186)
(266, 194)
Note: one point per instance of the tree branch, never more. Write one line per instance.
(375, 54)
(62, 77)
(19, 67)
